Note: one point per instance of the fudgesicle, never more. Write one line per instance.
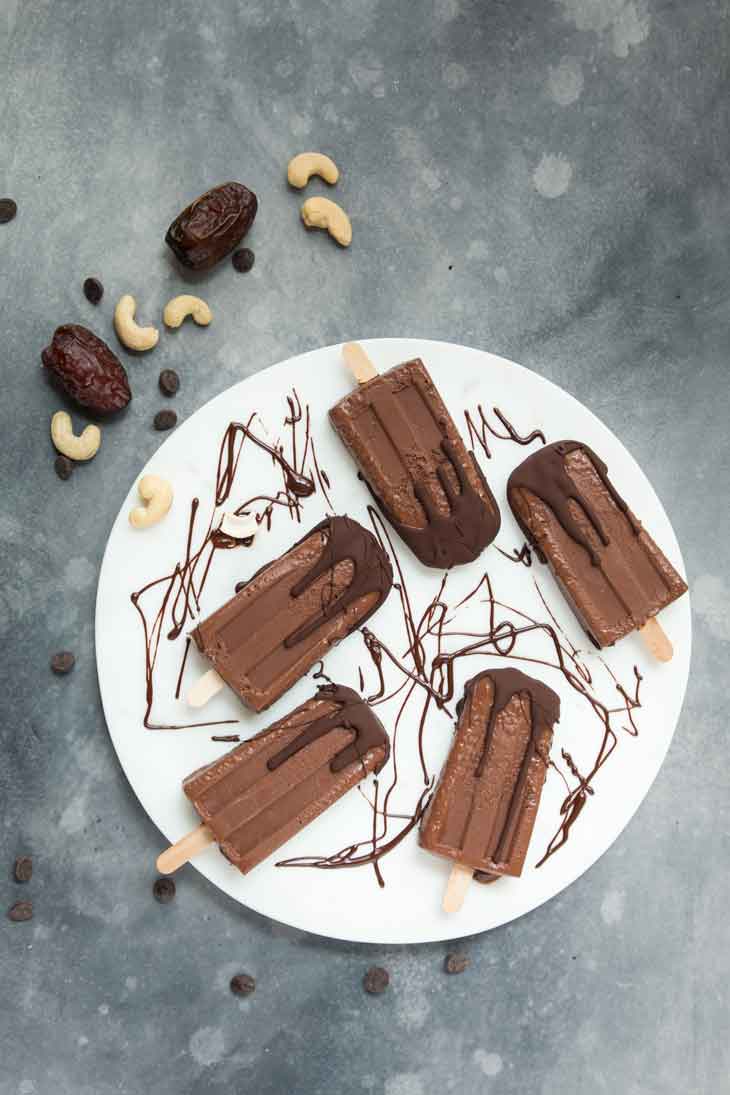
(294, 609)
(483, 809)
(612, 573)
(266, 790)
(412, 457)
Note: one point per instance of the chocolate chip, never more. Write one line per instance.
(21, 910)
(243, 260)
(376, 980)
(8, 209)
(456, 963)
(23, 869)
(164, 890)
(63, 662)
(63, 467)
(93, 290)
(165, 420)
(169, 382)
(243, 984)
(485, 878)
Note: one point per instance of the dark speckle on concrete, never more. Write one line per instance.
(570, 161)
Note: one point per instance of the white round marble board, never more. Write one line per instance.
(348, 904)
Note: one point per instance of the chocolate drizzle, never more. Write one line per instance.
(478, 432)
(353, 714)
(524, 555)
(345, 540)
(507, 683)
(545, 476)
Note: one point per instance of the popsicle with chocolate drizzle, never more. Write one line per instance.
(410, 453)
(483, 810)
(610, 570)
(289, 614)
(263, 792)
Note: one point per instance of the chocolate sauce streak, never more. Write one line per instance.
(544, 475)
(345, 541)
(524, 555)
(179, 592)
(478, 432)
(353, 714)
(507, 683)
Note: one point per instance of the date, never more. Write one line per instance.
(87, 369)
(212, 225)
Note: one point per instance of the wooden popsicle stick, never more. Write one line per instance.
(205, 688)
(656, 640)
(358, 362)
(456, 887)
(184, 849)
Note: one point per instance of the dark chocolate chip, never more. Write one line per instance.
(23, 869)
(376, 980)
(63, 466)
(93, 290)
(243, 984)
(164, 890)
(456, 963)
(165, 420)
(243, 260)
(63, 662)
(485, 877)
(8, 209)
(21, 910)
(169, 382)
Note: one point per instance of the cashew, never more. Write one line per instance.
(133, 336)
(302, 167)
(322, 213)
(238, 527)
(178, 308)
(75, 448)
(156, 493)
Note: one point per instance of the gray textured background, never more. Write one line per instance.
(569, 160)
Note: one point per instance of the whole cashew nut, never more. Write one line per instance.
(322, 213)
(177, 309)
(302, 167)
(130, 334)
(67, 443)
(156, 493)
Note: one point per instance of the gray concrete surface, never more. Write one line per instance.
(545, 180)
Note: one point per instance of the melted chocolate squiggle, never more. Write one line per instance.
(478, 432)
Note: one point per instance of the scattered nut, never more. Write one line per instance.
(178, 308)
(21, 910)
(67, 443)
(243, 260)
(302, 167)
(130, 333)
(156, 493)
(164, 420)
(63, 467)
(63, 662)
(238, 527)
(376, 980)
(23, 869)
(323, 213)
(93, 290)
(169, 382)
(243, 984)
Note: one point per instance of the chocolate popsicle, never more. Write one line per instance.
(412, 457)
(289, 614)
(483, 810)
(610, 570)
(266, 790)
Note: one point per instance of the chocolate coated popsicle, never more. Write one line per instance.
(264, 791)
(483, 809)
(294, 609)
(409, 451)
(610, 570)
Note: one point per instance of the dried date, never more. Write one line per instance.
(87, 369)
(212, 225)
